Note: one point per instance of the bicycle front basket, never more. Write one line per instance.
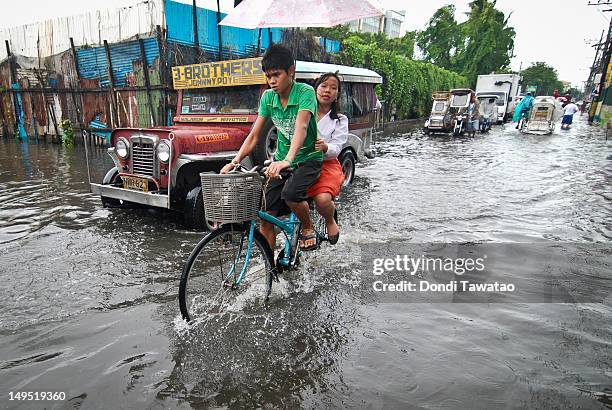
(229, 198)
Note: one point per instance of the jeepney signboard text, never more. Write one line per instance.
(219, 74)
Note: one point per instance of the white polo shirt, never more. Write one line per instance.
(570, 109)
(334, 133)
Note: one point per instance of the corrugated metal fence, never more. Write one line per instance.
(93, 63)
(238, 41)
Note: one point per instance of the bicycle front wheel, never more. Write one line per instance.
(218, 276)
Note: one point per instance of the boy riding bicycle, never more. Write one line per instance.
(297, 164)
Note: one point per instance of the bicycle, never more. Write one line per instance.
(234, 261)
(523, 119)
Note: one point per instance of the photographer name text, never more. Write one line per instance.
(452, 286)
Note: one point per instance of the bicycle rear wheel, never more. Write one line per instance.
(210, 282)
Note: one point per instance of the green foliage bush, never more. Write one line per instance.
(407, 84)
(67, 133)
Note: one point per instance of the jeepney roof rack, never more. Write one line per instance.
(306, 70)
(440, 95)
(461, 91)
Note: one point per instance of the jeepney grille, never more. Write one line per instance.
(143, 155)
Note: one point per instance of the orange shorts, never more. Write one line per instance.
(329, 181)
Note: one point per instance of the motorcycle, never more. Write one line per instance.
(459, 126)
(545, 112)
(485, 125)
(459, 109)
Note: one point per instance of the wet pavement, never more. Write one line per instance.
(90, 295)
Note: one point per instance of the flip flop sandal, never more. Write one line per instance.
(333, 239)
(311, 247)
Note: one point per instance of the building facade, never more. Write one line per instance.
(393, 23)
(390, 24)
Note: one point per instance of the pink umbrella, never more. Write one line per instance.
(299, 13)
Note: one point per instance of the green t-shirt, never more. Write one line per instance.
(301, 97)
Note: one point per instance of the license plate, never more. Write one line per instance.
(137, 184)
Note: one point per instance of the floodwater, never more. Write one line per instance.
(89, 295)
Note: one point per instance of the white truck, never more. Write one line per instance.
(503, 86)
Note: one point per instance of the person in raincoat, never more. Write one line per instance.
(523, 108)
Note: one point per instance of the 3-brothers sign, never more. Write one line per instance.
(219, 74)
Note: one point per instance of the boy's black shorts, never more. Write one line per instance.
(292, 187)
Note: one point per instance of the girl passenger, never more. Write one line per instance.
(332, 129)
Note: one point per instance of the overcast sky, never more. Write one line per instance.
(554, 31)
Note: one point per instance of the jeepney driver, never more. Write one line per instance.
(293, 108)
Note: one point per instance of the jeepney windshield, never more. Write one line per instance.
(221, 100)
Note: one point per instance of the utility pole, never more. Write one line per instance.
(604, 63)
(596, 61)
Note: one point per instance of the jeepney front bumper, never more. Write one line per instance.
(145, 198)
(157, 199)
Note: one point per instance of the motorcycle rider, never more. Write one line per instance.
(488, 113)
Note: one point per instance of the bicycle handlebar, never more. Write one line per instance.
(261, 170)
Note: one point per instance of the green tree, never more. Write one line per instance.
(439, 41)
(402, 45)
(482, 44)
(339, 32)
(487, 41)
(544, 77)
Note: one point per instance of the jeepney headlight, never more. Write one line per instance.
(163, 152)
(122, 148)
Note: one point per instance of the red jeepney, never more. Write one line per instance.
(217, 105)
